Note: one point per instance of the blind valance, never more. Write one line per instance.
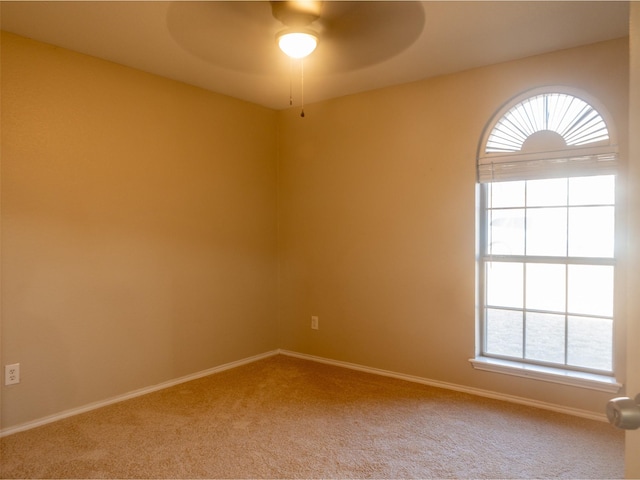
(573, 163)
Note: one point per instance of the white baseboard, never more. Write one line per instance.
(227, 366)
(136, 393)
(458, 388)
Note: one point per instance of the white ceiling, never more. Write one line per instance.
(229, 47)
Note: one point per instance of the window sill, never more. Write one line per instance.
(590, 381)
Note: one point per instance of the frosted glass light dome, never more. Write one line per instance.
(297, 44)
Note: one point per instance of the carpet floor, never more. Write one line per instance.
(284, 417)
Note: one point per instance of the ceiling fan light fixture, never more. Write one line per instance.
(297, 43)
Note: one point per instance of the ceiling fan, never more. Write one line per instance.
(351, 34)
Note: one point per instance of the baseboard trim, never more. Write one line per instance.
(353, 366)
(451, 386)
(135, 393)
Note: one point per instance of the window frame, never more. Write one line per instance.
(487, 257)
(564, 374)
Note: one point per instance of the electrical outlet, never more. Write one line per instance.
(12, 374)
(314, 323)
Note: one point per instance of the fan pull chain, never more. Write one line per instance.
(290, 82)
(291, 73)
(302, 88)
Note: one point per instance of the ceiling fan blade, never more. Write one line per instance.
(356, 34)
(298, 13)
(236, 35)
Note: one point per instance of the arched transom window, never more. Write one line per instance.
(547, 120)
(546, 134)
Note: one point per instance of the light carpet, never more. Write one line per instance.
(284, 417)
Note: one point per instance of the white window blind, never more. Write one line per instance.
(544, 136)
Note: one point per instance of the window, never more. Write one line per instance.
(546, 228)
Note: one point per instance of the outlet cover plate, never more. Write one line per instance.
(12, 374)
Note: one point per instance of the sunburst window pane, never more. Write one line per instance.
(572, 118)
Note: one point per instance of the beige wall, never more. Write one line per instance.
(377, 215)
(138, 229)
(139, 224)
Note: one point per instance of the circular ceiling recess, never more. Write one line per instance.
(241, 36)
